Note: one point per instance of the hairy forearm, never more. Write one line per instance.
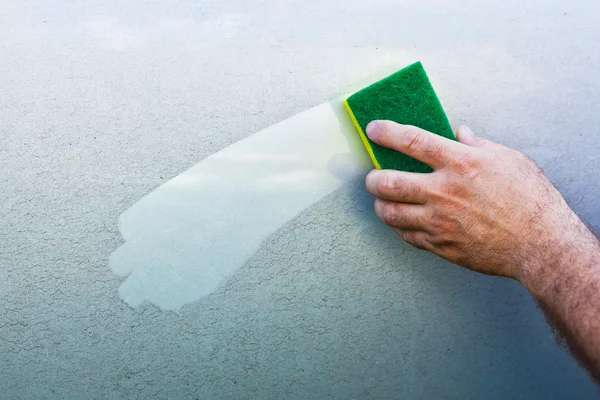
(567, 288)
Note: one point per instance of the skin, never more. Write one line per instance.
(491, 209)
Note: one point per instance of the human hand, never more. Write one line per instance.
(485, 207)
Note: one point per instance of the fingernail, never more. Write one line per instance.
(372, 130)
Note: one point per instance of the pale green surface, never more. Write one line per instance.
(101, 102)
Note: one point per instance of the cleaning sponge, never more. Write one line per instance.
(406, 97)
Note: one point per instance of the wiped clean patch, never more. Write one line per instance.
(184, 239)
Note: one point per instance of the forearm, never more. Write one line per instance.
(567, 288)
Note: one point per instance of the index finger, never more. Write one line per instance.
(434, 150)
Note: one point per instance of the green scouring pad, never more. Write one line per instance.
(405, 97)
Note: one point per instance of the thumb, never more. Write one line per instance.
(465, 135)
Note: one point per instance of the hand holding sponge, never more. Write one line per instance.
(405, 97)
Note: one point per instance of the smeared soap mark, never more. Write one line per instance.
(188, 236)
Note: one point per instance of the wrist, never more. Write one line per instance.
(573, 254)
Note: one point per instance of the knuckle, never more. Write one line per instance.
(455, 256)
(433, 150)
(392, 185)
(449, 190)
(479, 141)
(412, 191)
(414, 239)
(407, 237)
(411, 140)
(439, 225)
(466, 162)
(388, 214)
(381, 210)
(384, 183)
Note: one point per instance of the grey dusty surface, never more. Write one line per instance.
(101, 102)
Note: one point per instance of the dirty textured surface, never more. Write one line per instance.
(101, 102)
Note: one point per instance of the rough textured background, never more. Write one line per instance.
(100, 102)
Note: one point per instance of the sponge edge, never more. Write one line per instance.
(366, 141)
(405, 97)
